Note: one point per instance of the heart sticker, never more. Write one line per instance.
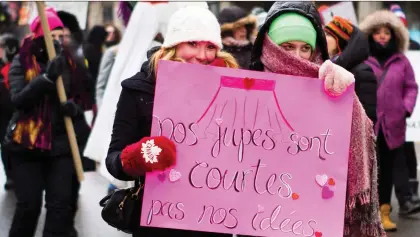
(161, 177)
(260, 208)
(219, 121)
(249, 83)
(321, 180)
(295, 196)
(318, 234)
(327, 193)
(174, 175)
(331, 182)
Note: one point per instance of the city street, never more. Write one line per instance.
(90, 224)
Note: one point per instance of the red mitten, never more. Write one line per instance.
(147, 155)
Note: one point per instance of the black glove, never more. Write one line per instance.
(407, 115)
(55, 67)
(58, 47)
(70, 109)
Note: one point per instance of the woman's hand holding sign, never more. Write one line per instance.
(148, 155)
(337, 79)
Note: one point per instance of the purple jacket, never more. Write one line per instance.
(396, 96)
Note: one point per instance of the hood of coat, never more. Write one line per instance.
(306, 9)
(144, 80)
(387, 18)
(234, 16)
(356, 51)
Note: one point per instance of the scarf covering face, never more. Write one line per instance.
(34, 125)
(362, 206)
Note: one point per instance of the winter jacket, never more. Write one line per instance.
(24, 96)
(105, 68)
(6, 108)
(397, 90)
(242, 54)
(306, 9)
(133, 121)
(352, 58)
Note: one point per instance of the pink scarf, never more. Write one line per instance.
(362, 207)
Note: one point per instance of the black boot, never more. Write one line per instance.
(414, 191)
(409, 208)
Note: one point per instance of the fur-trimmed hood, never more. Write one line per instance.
(233, 17)
(247, 20)
(387, 18)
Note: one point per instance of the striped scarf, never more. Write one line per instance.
(34, 125)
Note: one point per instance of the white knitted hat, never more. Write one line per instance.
(192, 23)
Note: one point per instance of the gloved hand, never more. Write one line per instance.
(336, 79)
(55, 67)
(148, 155)
(69, 108)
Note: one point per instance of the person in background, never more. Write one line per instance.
(396, 98)
(292, 42)
(409, 150)
(73, 35)
(6, 24)
(113, 35)
(93, 50)
(237, 28)
(72, 42)
(36, 136)
(397, 10)
(9, 45)
(193, 36)
(349, 48)
(112, 42)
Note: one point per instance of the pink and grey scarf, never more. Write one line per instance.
(362, 207)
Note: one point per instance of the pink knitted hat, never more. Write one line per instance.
(53, 21)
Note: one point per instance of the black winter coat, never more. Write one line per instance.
(133, 121)
(6, 108)
(352, 59)
(242, 54)
(25, 95)
(306, 9)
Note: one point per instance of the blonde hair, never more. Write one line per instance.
(169, 54)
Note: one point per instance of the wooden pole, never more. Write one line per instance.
(61, 93)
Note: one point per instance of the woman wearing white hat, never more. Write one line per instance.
(193, 36)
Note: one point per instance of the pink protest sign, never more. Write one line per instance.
(258, 153)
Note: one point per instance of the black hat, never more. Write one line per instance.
(70, 21)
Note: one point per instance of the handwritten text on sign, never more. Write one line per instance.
(257, 153)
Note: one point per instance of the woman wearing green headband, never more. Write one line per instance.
(292, 42)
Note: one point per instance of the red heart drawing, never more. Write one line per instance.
(249, 83)
(318, 234)
(331, 182)
(295, 196)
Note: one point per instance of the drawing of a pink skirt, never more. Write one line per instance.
(245, 103)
